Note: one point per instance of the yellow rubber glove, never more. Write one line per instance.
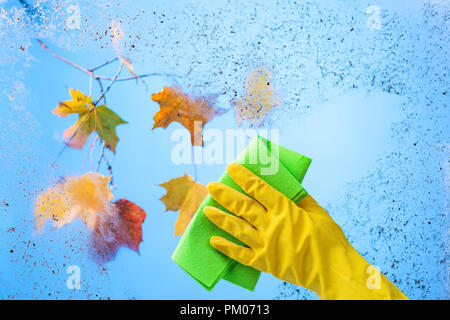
(299, 244)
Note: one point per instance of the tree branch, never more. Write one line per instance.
(99, 79)
(64, 59)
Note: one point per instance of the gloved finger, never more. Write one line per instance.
(238, 203)
(237, 227)
(254, 186)
(234, 251)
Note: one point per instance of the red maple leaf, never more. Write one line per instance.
(121, 227)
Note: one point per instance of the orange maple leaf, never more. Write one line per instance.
(186, 195)
(189, 111)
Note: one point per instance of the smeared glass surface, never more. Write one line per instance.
(368, 104)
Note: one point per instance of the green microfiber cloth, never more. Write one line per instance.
(283, 169)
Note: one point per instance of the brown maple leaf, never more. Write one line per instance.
(186, 195)
(189, 111)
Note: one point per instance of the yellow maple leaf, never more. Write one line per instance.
(259, 97)
(186, 195)
(101, 119)
(81, 197)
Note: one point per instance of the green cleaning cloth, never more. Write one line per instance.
(283, 169)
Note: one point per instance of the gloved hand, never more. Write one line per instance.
(299, 244)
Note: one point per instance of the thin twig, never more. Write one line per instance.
(167, 75)
(102, 152)
(104, 64)
(91, 73)
(110, 84)
(97, 77)
(101, 89)
(108, 165)
(90, 150)
(156, 74)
